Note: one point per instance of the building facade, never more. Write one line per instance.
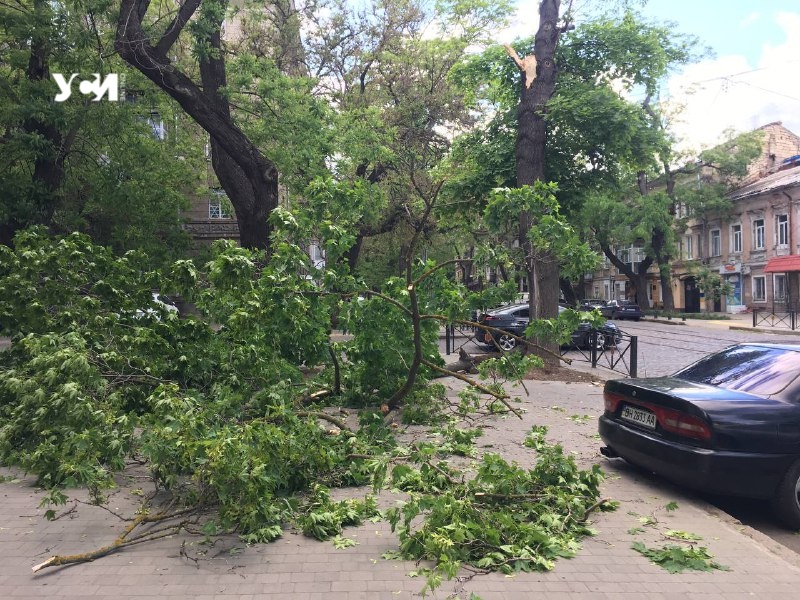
(750, 247)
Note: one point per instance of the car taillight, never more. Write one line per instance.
(612, 400)
(683, 424)
(669, 419)
(488, 318)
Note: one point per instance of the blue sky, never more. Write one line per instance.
(732, 27)
(752, 79)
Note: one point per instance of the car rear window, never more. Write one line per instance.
(757, 370)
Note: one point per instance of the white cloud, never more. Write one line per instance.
(523, 23)
(728, 92)
(750, 19)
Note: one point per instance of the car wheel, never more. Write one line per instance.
(506, 342)
(786, 503)
(610, 341)
(599, 341)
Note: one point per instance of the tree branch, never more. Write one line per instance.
(170, 36)
(501, 397)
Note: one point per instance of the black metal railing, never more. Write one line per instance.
(620, 354)
(773, 318)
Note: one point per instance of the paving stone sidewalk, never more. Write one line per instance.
(302, 569)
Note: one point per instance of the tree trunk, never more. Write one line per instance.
(538, 84)
(249, 179)
(48, 169)
(637, 279)
(569, 292)
(663, 270)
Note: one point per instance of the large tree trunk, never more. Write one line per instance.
(637, 278)
(663, 269)
(249, 179)
(48, 169)
(538, 84)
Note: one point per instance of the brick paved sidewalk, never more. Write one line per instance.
(299, 568)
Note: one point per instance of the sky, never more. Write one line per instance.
(752, 78)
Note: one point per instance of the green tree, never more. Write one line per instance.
(249, 178)
(63, 161)
(712, 285)
(603, 139)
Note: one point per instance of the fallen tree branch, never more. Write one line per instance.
(123, 540)
(521, 340)
(326, 417)
(501, 397)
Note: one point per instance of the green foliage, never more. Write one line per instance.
(506, 518)
(322, 518)
(88, 166)
(455, 440)
(382, 347)
(549, 233)
(682, 535)
(61, 420)
(537, 438)
(509, 366)
(92, 377)
(561, 328)
(425, 406)
(711, 283)
(677, 559)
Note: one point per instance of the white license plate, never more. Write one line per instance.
(639, 416)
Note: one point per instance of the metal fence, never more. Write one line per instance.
(619, 355)
(773, 318)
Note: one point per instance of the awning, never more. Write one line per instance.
(783, 264)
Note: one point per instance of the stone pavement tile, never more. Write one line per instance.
(297, 568)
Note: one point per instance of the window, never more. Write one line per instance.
(689, 247)
(218, 205)
(753, 369)
(157, 126)
(736, 238)
(783, 230)
(779, 287)
(716, 243)
(758, 234)
(759, 289)
(631, 256)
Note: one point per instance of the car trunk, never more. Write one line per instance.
(734, 419)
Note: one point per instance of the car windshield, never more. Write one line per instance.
(760, 370)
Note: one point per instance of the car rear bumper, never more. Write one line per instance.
(720, 472)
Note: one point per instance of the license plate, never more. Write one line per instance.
(639, 416)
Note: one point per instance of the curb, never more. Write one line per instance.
(762, 330)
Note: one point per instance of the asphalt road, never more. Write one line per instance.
(666, 347)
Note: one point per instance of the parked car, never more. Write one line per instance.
(728, 424)
(591, 303)
(514, 319)
(621, 309)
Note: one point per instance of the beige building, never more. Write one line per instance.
(755, 248)
(743, 245)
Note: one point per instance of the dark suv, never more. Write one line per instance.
(514, 319)
(622, 309)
